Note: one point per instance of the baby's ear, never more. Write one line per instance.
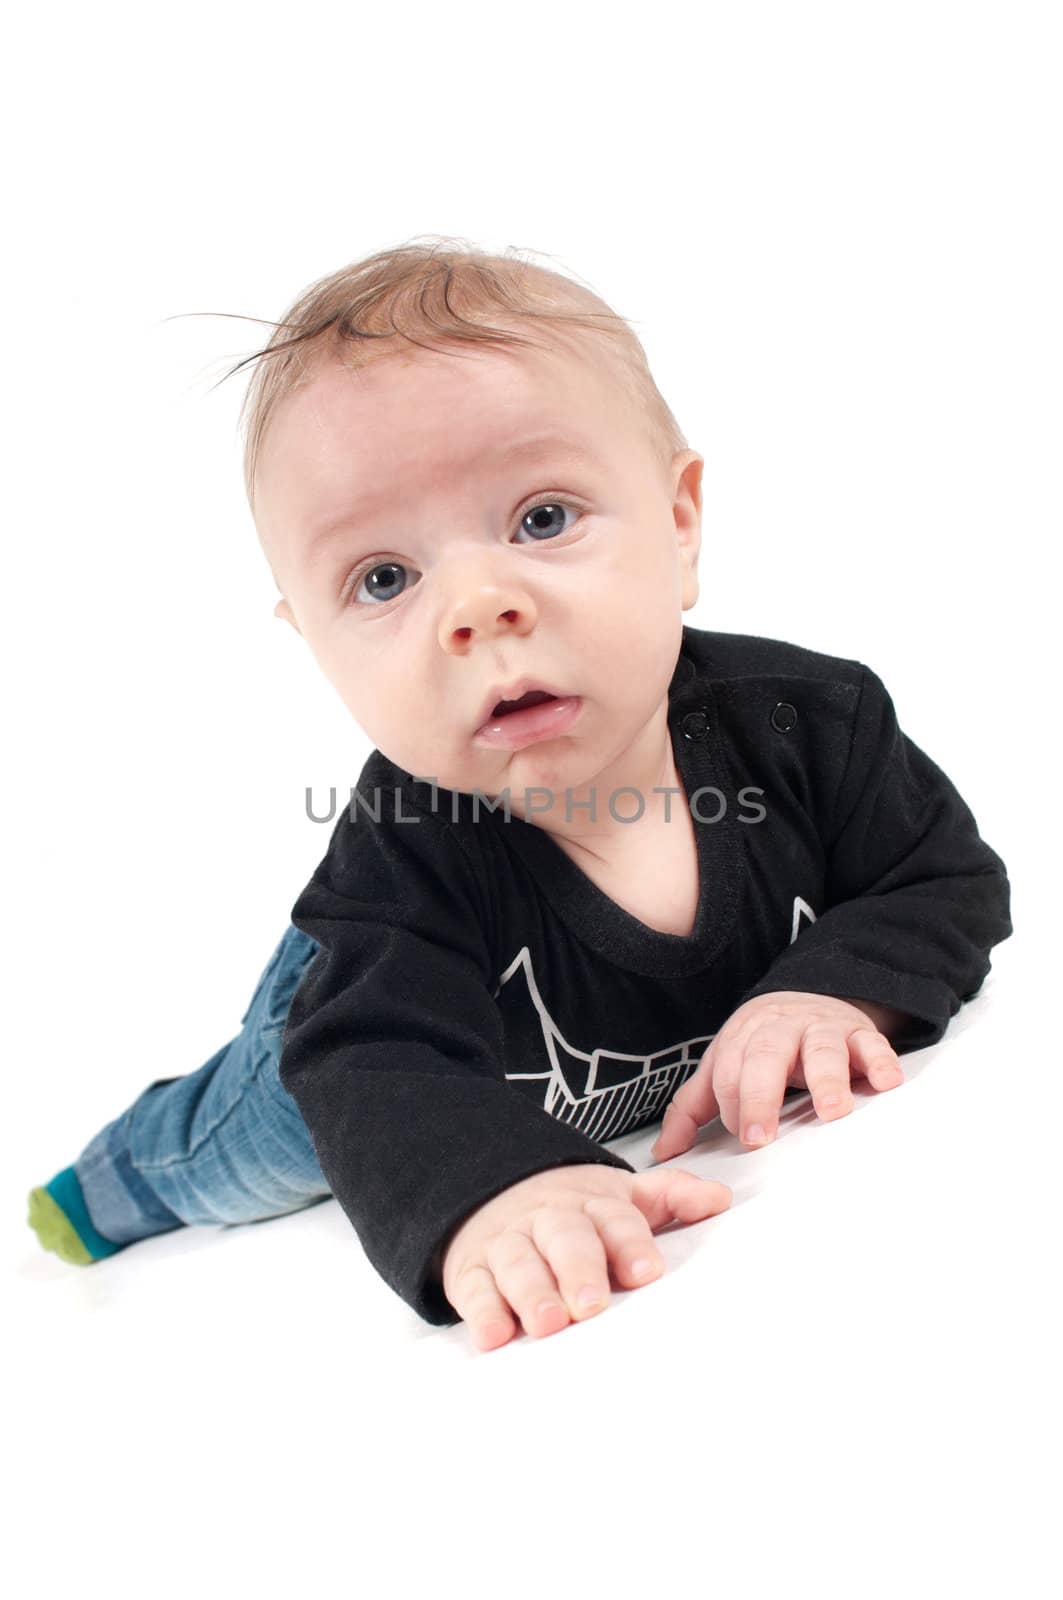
(283, 609)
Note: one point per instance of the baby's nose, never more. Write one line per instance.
(484, 610)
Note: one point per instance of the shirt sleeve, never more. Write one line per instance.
(914, 897)
(393, 1050)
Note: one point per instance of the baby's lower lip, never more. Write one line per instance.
(547, 720)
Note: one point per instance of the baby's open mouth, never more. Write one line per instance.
(538, 714)
(533, 697)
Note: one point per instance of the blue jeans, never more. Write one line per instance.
(223, 1144)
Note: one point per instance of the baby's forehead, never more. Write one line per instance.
(395, 400)
(453, 364)
(391, 416)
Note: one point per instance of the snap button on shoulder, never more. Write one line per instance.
(784, 717)
(695, 725)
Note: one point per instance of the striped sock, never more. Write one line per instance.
(60, 1218)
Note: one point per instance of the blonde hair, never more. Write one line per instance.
(445, 290)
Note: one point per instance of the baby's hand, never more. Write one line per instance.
(811, 1041)
(543, 1247)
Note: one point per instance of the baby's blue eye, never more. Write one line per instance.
(541, 521)
(385, 581)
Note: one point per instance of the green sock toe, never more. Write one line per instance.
(60, 1218)
(55, 1230)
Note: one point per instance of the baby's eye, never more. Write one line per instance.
(383, 582)
(541, 521)
(386, 580)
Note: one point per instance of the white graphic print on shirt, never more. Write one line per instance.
(605, 1092)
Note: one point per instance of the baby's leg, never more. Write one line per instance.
(223, 1144)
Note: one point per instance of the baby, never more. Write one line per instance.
(600, 867)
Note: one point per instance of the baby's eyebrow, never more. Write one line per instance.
(557, 446)
(540, 444)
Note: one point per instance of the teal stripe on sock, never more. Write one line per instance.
(65, 1190)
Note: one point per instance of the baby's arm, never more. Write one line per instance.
(915, 901)
(914, 898)
(395, 1055)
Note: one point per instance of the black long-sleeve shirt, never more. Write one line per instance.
(480, 1010)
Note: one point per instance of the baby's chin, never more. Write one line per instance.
(553, 765)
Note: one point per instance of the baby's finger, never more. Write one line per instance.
(679, 1129)
(570, 1243)
(872, 1055)
(765, 1067)
(671, 1194)
(628, 1240)
(693, 1103)
(477, 1301)
(730, 1070)
(825, 1063)
(526, 1281)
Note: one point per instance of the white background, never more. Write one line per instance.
(836, 228)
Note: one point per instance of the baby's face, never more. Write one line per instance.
(442, 525)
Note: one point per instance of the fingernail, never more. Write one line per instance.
(641, 1269)
(588, 1297)
(755, 1134)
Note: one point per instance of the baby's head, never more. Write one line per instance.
(463, 475)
